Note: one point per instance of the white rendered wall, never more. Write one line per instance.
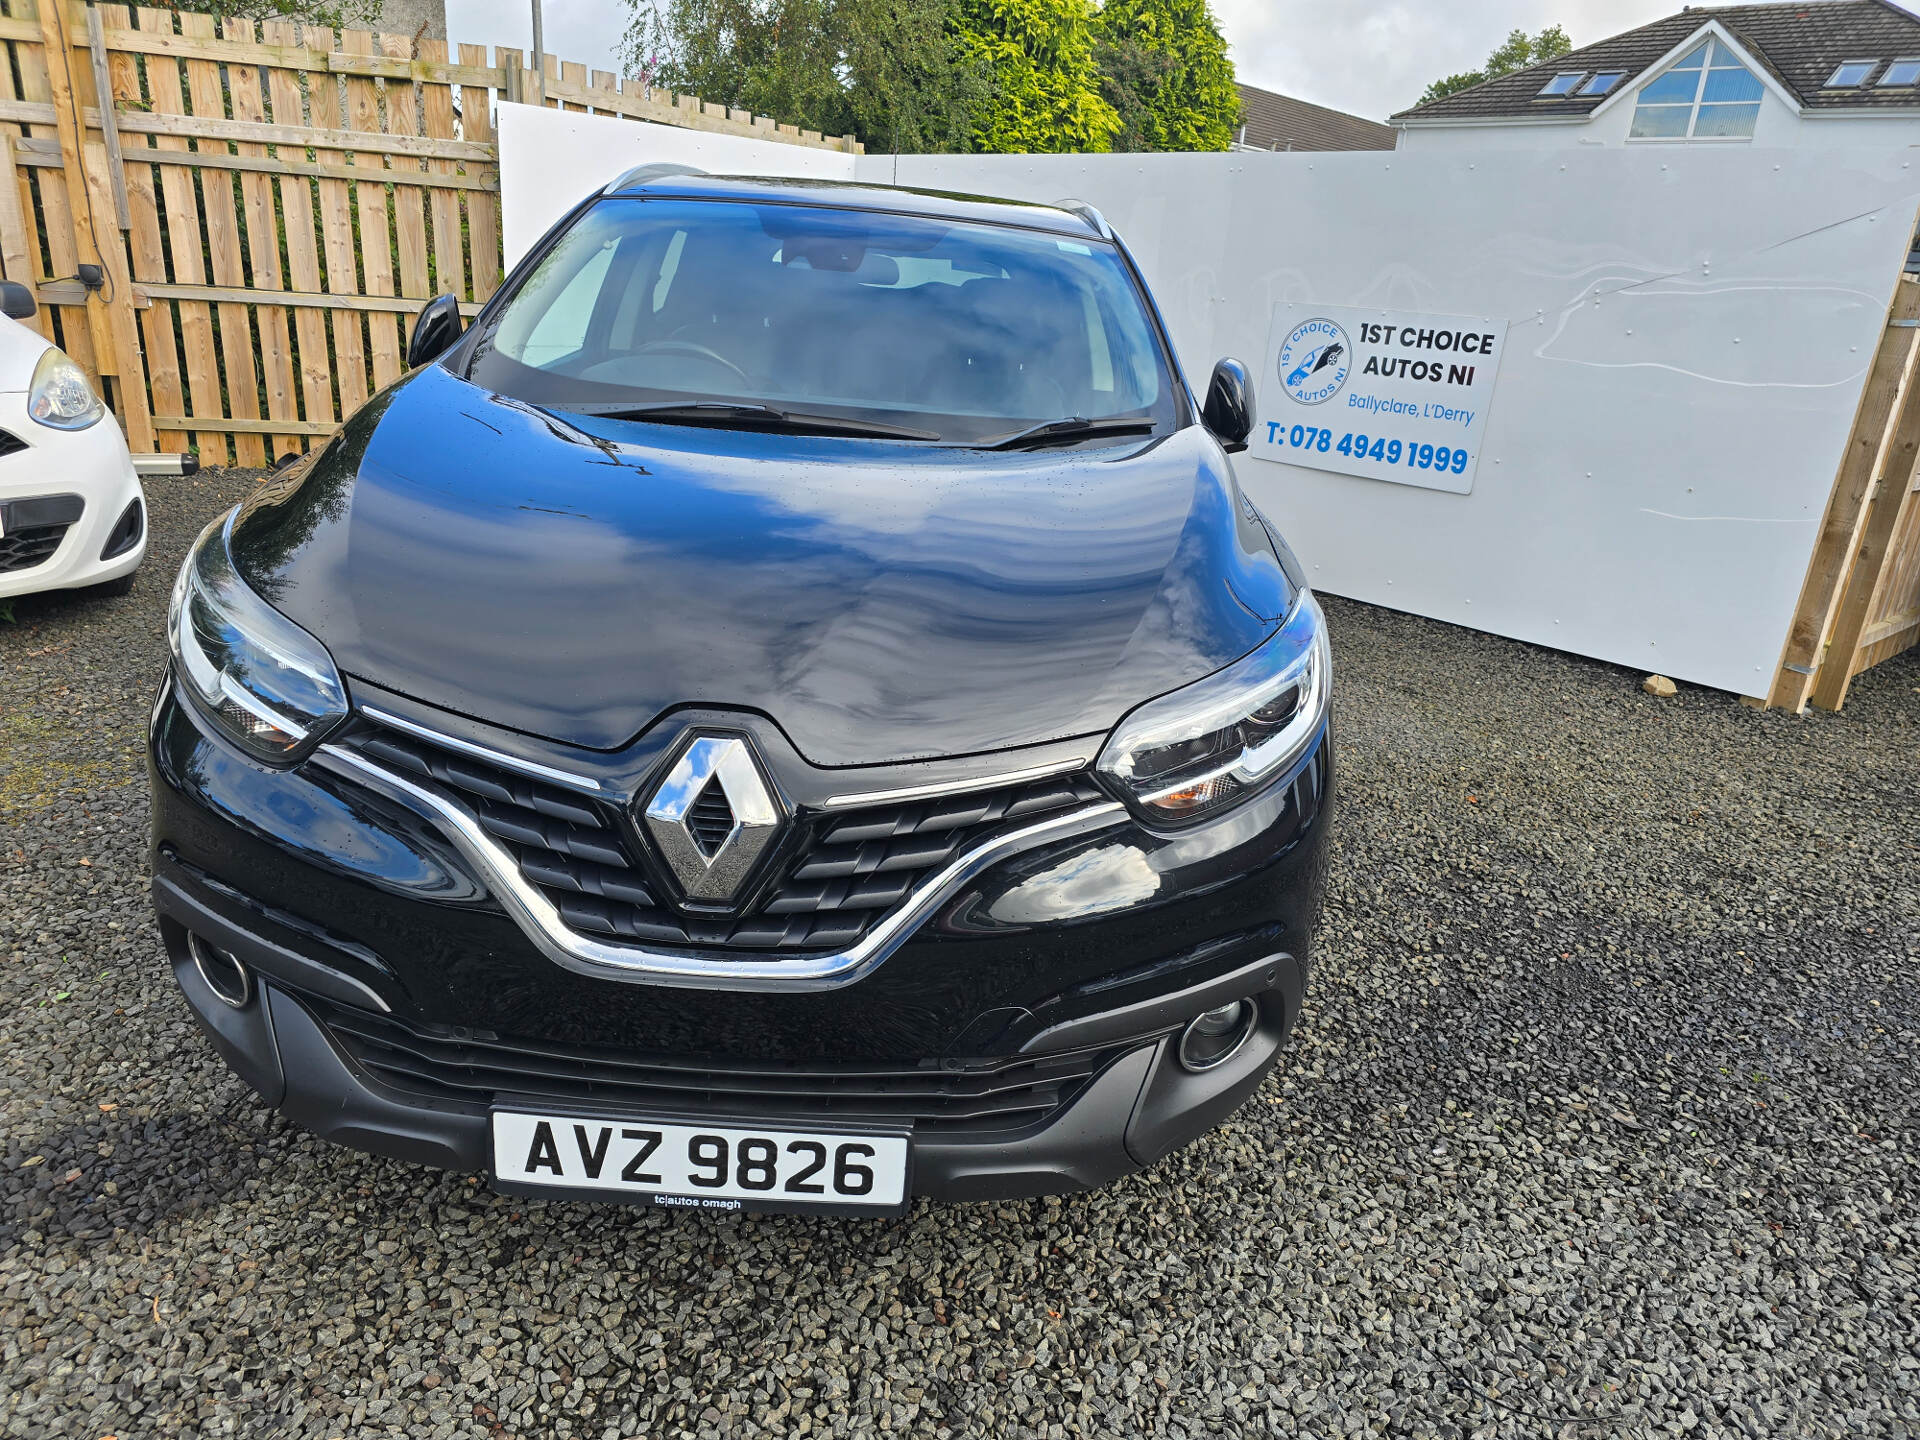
(1690, 331)
(556, 156)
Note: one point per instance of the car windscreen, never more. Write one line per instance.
(963, 330)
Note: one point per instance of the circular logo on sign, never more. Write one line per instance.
(1314, 361)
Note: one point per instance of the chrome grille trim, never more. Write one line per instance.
(530, 768)
(954, 787)
(541, 920)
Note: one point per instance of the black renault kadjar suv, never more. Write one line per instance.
(791, 709)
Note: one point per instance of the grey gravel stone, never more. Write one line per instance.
(1600, 1122)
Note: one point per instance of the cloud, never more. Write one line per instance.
(586, 31)
(1373, 57)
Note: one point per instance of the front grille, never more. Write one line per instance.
(837, 875)
(25, 548)
(10, 443)
(952, 1097)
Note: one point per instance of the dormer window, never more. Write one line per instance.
(1903, 72)
(1562, 84)
(1707, 94)
(1603, 83)
(1851, 74)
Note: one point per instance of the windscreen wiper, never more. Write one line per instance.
(736, 412)
(1075, 428)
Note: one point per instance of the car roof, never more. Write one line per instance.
(1066, 218)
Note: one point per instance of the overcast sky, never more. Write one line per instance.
(1372, 57)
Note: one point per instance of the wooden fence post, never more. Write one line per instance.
(70, 125)
(1835, 548)
(1868, 575)
(91, 190)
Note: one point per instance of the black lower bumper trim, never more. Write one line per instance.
(337, 1104)
(126, 531)
(278, 1047)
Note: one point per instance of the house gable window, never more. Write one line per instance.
(1707, 94)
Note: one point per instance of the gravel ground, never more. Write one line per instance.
(1600, 1122)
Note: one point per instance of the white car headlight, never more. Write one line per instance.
(269, 685)
(1205, 748)
(60, 396)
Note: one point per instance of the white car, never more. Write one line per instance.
(72, 513)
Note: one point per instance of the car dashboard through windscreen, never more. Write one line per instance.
(965, 330)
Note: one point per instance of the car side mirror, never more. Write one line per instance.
(435, 332)
(16, 301)
(1228, 412)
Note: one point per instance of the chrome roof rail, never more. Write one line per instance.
(1087, 213)
(642, 174)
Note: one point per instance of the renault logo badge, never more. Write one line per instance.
(713, 817)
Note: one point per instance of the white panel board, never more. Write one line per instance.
(551, 160)
(1688, 332)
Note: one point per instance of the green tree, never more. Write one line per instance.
(1516, 52)
(324, 14)
(773, 57)
(910, 89)
(888, 71)
(1164, 69)
(1044, 86)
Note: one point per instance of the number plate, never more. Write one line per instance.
(695, 1166)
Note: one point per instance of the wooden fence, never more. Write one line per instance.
(269, 205)
(1861, 600)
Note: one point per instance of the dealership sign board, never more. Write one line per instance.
(1382, 394)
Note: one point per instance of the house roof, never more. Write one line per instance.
(1280, 122)
(1800, 44)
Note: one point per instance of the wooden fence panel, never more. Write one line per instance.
(70, 328)
(436, 108)
(20, 258)
(483, 207)
(1889, 377)
(401, 116)
(261, 221)
(145, 241)
(270, 205)
(286, 95)
(185, 248)
(1877, 559)
(221, 213)
(376, 247)
(324, 99)
(1893, 624)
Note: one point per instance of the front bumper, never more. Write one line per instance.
(85, 469)
(1029, 1049)
(1135, 1108)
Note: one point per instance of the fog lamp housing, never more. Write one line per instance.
(1215, 1036)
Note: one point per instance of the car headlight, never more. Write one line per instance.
(1205, 748)
(60, 396)
(269, 685)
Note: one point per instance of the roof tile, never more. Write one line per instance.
(1280, 122)
(1799, 43)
